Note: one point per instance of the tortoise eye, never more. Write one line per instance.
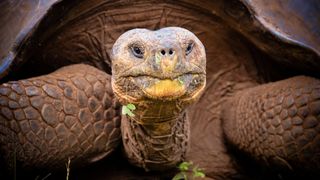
(137, 51)
(189, 48)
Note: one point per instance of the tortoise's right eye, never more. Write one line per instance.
(137, 51)
(189, 48)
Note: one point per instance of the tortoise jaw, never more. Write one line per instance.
(180, 87)
(165, 89)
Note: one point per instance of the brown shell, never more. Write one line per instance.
(59, 33)
(286, 30)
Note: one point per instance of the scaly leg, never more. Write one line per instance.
(277, 123)
(70, 113)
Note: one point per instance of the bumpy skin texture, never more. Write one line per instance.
(165, 56)
(278, 123)
(92, 26)
(164, 73)
(86, 31)
(70, 113)
(152, 151)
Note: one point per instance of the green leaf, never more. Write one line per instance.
(180, 176)
(130, 114)
(127, 110)
(180, 81)
(197, 172)
(184, 166)
(131, 106)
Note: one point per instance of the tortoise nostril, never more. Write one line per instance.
(170, 52)
(163, 52)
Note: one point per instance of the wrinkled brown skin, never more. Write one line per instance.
(71, 113)
(233, 65)
(161, 83)
(277, 123)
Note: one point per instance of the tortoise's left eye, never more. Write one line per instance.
(137, 51)
(189, 48)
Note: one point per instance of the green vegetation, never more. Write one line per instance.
(128, 110)
(188, 170)
(180, 81)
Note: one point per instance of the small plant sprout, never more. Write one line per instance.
(197, 172)
(180, 175)
(185, 171)
(184, 166)
(128, 110)
(180, 81)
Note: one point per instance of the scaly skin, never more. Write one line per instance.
(278, 123)
(153, 149)
(245, 121)
(166, 77)
(70, 113)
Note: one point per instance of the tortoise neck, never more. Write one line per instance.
(156, 146)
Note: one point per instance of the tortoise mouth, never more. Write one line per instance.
(183, 86)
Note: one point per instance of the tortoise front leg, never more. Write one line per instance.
(71, 113)
(277, 122)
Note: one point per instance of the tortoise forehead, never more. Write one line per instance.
(152, 39)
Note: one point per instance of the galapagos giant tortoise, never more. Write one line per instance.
(65, 78)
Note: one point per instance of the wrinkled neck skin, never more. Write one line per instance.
(156, 142)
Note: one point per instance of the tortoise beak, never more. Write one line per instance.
(184, 86)
(166, 88)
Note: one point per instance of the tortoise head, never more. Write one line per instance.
(164, 65)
